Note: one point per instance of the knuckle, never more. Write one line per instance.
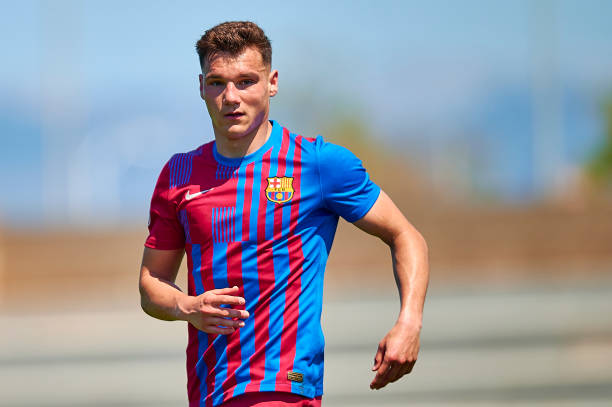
(207, 298)
(392, 358)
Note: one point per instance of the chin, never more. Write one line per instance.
(237, 131)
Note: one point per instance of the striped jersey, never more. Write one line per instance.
(265, 223)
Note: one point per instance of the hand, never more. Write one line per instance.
(206, 314)
(397, 354)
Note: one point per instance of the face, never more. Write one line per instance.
(237, 91)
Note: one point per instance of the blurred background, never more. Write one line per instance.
(488, 122)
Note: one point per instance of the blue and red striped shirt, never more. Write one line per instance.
(265, 223)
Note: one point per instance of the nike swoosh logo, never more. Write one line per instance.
(189, 196)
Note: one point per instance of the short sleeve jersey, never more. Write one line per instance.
(265, 223)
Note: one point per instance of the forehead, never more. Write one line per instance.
(226, 64)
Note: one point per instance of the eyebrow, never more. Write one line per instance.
(240, 75)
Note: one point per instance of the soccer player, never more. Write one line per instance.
(256, 211)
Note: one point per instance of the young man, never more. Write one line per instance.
(256, 211)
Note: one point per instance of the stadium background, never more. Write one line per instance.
(489, 123)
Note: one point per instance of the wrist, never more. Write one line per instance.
(184, 308)
(412, 319)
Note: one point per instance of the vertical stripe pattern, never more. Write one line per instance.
(272, 246)
(223, 225)
(180, 166)
(225, 172)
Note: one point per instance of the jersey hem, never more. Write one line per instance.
(309, 392)
(366, 208)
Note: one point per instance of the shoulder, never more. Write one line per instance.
(180, 165)
(334, 157)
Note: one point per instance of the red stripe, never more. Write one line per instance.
(297, 173)
(263, 201)
(265, 271)
(234, 278)
(265, 275)
(193, 381)
(282, 167)
(294, 288)
(210, 356)
(248, 193)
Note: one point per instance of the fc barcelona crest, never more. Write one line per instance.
(280, 189)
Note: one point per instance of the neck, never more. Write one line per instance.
(245, 144)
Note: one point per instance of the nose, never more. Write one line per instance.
(231, 96)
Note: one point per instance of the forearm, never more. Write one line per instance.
(411, 271)
(162, 299)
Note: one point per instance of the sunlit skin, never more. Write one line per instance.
(237, 91)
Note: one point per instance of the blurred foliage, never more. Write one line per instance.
(600, 166)
(388, 167)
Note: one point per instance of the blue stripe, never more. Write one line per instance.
(216, 225)
(309, 342)
(201, 369)
(269, 204)
(240, 185)
(181, 169)
(186, 226)
(277, 308)
(196, 256)
(180, 166)
(225, 224)
(289, 173)
(188, 170)
(247, 332)
(219, 272)
(254, 210)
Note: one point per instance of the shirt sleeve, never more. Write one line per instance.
(345, 185)
(165, 230)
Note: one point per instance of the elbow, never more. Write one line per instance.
(145, 301)
(410, 238)
(422, 243)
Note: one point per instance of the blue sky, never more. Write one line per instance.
(95, 96)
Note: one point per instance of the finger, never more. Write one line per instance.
(394, 372)
(406, 368)
(409, 367)
(227, 300)
(385, 373)
(231, 313)
(378, 381)
(224, 322)
(226, 290)
(219, 330)
(378, 358)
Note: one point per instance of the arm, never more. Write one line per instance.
(398, 350)
(162, 299)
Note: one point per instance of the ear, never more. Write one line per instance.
(273, 82)
(201, 77)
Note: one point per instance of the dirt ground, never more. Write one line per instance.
(489, 244)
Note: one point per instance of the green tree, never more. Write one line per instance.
(600, 166)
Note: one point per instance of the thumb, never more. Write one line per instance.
(378, 358)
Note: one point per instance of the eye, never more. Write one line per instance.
(215, 83)
(246, 82)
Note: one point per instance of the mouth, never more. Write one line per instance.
(233, 115)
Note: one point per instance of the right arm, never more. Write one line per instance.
(162, 299)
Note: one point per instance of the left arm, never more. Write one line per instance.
(398, 350)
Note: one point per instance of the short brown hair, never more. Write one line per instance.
(233, 37)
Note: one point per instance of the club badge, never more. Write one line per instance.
(280, 189)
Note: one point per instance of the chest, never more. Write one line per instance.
(254, 203)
